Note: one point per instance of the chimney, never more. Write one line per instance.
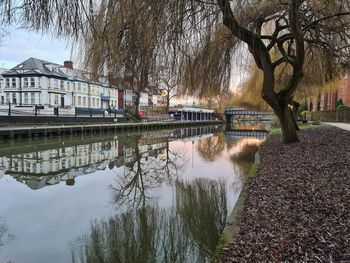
(68, 64)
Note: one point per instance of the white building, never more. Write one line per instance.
(128, 99)
(40, 82)
(2, 94)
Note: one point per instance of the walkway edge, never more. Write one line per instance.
(340, 125)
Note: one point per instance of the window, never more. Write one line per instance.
(26, 98)
(79, 101)
(62, 85)
(55, 99)
(13, 83)
(55, 84)
(25, 82)
(8, 97)
(84, 101)
(14, 100)
(32, 98)
(32, 82)
(7, 83)
(79, 87)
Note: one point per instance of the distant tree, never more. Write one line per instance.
(167, 83)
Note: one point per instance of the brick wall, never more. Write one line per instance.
(345, 91)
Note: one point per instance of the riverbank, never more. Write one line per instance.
(51, 130)
(297, 207)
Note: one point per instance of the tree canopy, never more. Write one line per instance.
(198, 39)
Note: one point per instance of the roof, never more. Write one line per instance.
(3, 70)
(34, 66)
(190, 109)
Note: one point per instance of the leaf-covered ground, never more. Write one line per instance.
(298, 206)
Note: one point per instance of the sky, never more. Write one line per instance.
(18, 45)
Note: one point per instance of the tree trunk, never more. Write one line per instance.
(137, 104)
(167, 104)
(288, 124)
(296, 106)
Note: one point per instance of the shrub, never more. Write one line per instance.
(342, 106)
(304, 113)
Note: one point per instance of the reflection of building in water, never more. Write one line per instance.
(41, 168)
(2, 171)
(193, 132)
(146, 150)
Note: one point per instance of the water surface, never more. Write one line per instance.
(159, 196)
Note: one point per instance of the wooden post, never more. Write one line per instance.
(336, 115)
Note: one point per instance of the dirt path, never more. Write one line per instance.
(298, 206)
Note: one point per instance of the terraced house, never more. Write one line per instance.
(39, 82)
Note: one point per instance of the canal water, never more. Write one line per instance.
(161, 196)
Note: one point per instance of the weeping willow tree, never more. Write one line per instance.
(311, 86)
(123, 37)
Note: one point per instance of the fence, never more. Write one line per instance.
(41, 110)
(342, 115)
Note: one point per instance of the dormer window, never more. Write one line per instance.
(54, 69)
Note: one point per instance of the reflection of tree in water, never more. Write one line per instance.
(211, 148)
(145, 173)
(3, 232)
(188, 232)
(203, 208)
(170, 163)
(143, 236)
(243, 155)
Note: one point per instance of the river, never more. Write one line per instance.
(161, 196)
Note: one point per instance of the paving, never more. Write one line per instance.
(341, 125)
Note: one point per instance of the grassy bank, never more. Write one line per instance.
(277, 131)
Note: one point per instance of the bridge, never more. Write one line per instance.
(230, 112)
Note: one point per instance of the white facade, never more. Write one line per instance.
(128, 97)
(2, 94)
(143, 99)
(44, 83)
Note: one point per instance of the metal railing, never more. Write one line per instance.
(10, 109)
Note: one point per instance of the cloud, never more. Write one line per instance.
(19, 45)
